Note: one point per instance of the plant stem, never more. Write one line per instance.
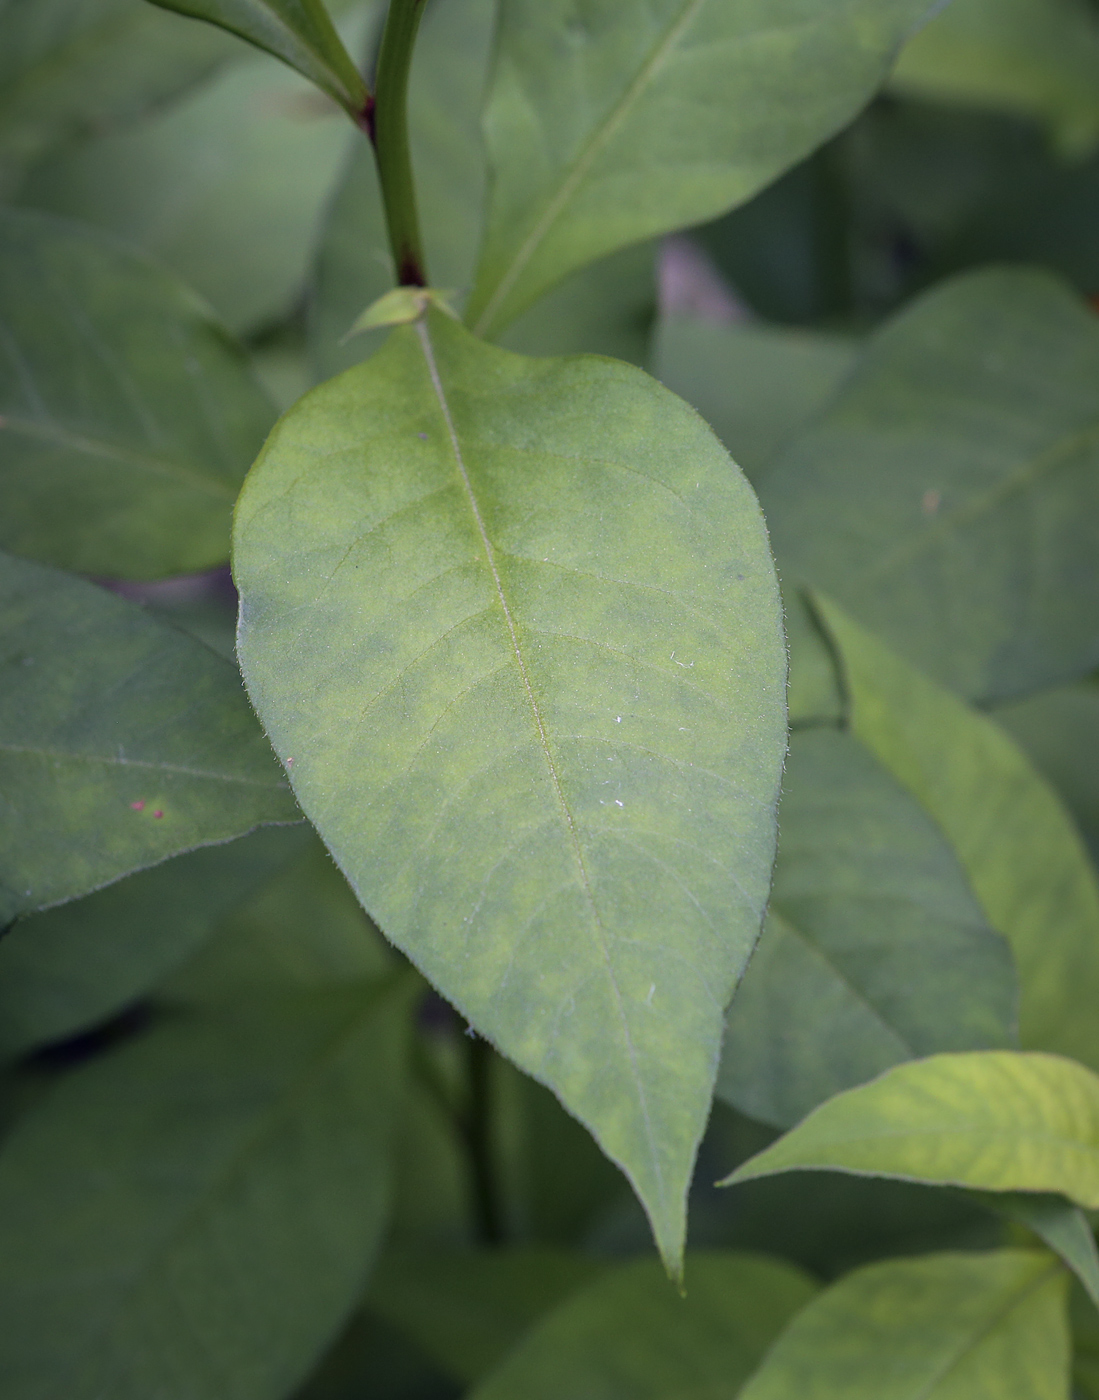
(478, 1135)
(387, 126)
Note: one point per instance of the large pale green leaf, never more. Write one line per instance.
(958, 472)
(1023, 855)
(630, 1336)
(945, 1327)
(514, 628)
(226, 188)
(466, 1309)
(874, 951)
(995, 1120)
(127, 417)
(1038, 58)
(606, 309)
(612, 121)
(72, 67)
(194, 1214)
(300, 32)
(757, 386)
(122, 742)
(71, 967)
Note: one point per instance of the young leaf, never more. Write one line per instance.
(68, 69)
(944, 1327)
(127, 418)
(612, 121)
(122, 742)
(756, 385)
(300, 32)
(544, 749)
(75, 966)
(957, 470)
(194, 1213)
(1035, 58)
(629, 1336)
(1020, 850)
(874, 951)
(467, 1310)
(995, 1120)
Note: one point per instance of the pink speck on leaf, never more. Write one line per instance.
(158, 815)
(138, 806)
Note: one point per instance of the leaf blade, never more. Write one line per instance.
(536, 713)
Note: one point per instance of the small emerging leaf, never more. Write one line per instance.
(994, 1120)
(1023, 855)
(300, 32)
(944, 1327)
(401, 307)
(544, 747)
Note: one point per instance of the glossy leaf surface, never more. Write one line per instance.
(300, 32)
(74, 966)
(874, 951)
(756, 385)
(1035, 58)
(944, 1327)
(68, 68)
(958, 475)
(995, 1120)
(122, 742)
(194, 1213)
(544, 750)
(612, 121)
(1021, 852)
(630, 1336)
(127, 417)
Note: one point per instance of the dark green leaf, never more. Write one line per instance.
(612, 121)
(122, 742)
(545, 751)
(467, 1310)
(240, 229)
(127, 418)
(193, 1214)
(630, 1336)
(1020, 850)
(300, 32)
(74, 966)
(945, 1327)
(874, 951)
(994, 1120)
(757, 386)
(957, 471)
(69, 68)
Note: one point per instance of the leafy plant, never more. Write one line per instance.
(364, 1040)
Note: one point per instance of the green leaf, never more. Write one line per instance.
(1057, 1223)
(944, 1327)
(194, 1213)
(874, 951)
(467, 1310)
(630, 1336)
(68, 68)
(995, 1120)
(957, 471)
(1020, 850)
(75, 966)
(544, 750)
(612, 122)
(127, 418)
(300, 32)
(1035, 58)
(122, 742)
(240, 228)
(1085, 1337)
(756, 385)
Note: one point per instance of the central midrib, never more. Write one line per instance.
(543, 738)
(584, 162)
